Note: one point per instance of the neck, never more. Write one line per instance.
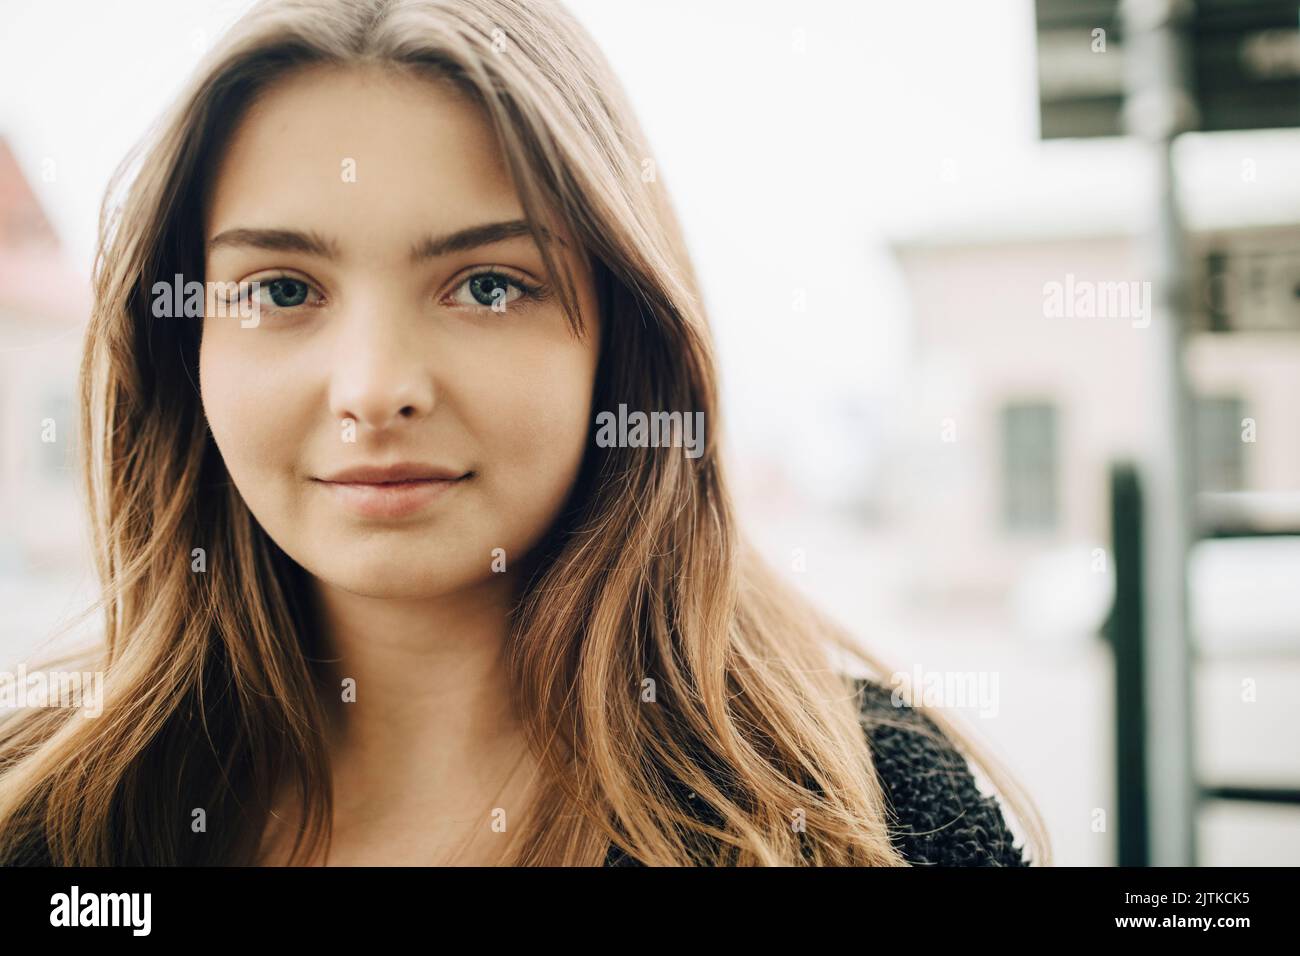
(430, 732)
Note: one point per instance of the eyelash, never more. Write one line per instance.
(535, 292)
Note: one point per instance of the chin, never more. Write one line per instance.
(393, 577)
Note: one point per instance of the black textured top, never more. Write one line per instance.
(938, 815)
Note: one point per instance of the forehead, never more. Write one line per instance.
(363, 153)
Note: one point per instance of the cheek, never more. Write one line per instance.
(246, 412)
(533, 419)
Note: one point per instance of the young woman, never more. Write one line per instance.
(375, 591)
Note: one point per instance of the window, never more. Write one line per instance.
(1219, 448)
(1029, 466)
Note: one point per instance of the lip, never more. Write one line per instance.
(391, 491)
(398, 471)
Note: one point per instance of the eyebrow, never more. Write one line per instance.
(430, 247)
(276, 240)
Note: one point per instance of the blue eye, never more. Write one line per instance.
(491, 289)
(276, 293)
(488, 288)
(285, 293)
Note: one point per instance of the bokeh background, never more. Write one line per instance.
(874, 214)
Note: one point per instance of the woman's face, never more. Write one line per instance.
(346, 194)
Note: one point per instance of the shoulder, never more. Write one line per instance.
(938, 814)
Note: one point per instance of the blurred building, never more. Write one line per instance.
(1025, 393)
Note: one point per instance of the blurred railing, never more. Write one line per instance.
(1225, 516)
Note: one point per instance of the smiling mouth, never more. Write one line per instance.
(391, 499)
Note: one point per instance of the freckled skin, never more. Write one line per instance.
(506, 395)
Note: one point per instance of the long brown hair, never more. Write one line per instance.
(651, 651)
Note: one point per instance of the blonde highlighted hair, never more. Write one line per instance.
(212, 680)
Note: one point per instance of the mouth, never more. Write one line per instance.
(390, 497)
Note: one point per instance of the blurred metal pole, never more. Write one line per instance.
(1126, 630)
(1158, 105)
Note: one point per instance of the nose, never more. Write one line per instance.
(378, 376)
